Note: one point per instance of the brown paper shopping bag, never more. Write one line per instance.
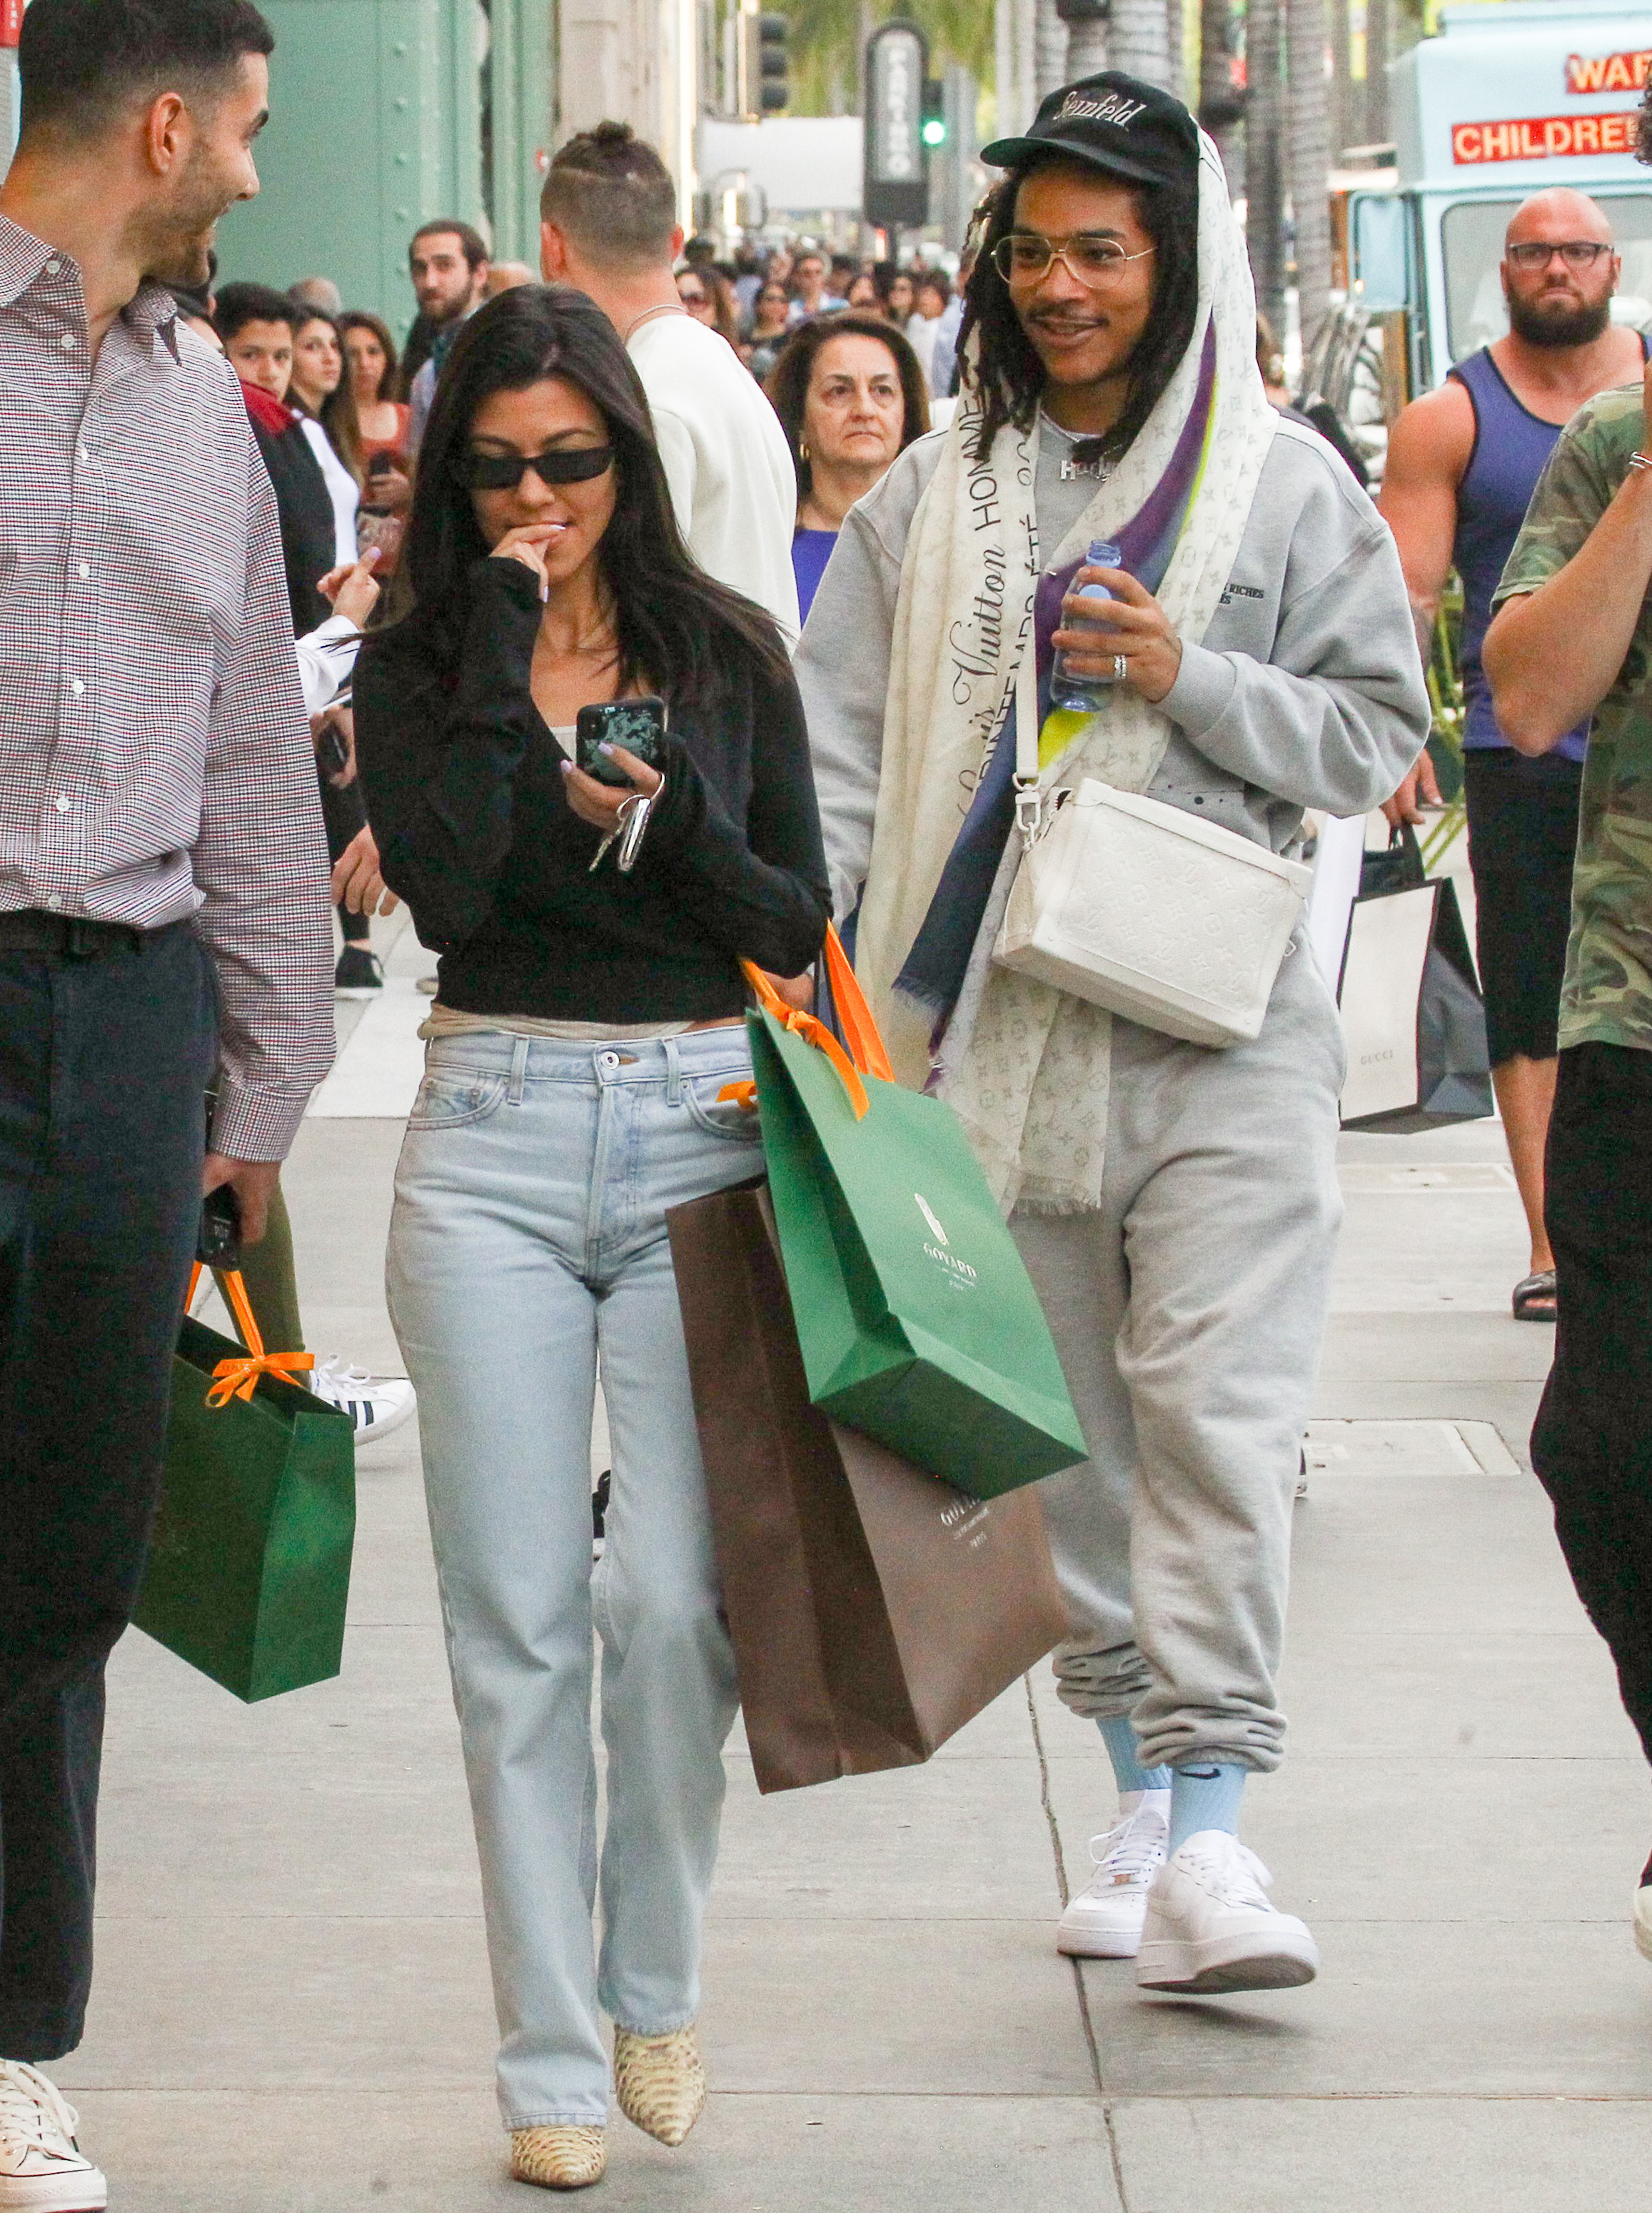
(873, 1609)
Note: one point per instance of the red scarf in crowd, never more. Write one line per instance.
(268, 414)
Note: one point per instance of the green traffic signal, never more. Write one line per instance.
(932, 127)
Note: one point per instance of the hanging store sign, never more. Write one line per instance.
(897, 195)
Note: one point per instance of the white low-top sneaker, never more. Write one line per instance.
(1104, 1920)
(42, 2169)
(376, 1404)
(1209, 1926)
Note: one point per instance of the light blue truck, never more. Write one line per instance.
(1507, 100)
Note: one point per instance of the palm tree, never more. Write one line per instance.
(1310, 162)
(1221, 101)
(1050, 49)
(1379, 44)
(1087, 37)
(1138, 39)
(1345, 123)
(827, 36)
(1265, 221)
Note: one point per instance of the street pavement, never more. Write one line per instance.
(292, 2012)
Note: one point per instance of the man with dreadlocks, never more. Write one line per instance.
(1177, 1205)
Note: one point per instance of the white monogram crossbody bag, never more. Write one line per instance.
(1140, 907)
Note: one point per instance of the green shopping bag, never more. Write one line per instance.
(249, 1568)
(919, 1323)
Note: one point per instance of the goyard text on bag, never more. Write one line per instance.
(1142, 908)
(1413, 1019)
(249, 1569)
(918, 1323)
(874, 1610)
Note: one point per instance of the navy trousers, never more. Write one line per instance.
(107, 1041)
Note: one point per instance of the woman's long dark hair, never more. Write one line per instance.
(1009, 373)
(361, 319)
(336, 415)
(789, 381)
(674, 624)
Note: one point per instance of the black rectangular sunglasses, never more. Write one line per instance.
(504, 471)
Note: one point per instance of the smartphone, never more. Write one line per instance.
(332, 751)
(218, 1242)
(379, 465)
(638, 725)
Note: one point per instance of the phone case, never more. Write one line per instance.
(638, 725)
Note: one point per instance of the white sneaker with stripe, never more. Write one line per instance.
(376, 1404)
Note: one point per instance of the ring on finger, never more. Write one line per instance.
(1120, 667)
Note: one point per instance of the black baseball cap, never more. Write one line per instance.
(1113, 122)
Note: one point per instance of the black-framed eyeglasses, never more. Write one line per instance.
(1576, 252)
(1088, 258)
(504, 471)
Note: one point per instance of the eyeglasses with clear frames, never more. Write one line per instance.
(1576, 252)
(1088, 258)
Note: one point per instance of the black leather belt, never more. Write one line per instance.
(30, 930)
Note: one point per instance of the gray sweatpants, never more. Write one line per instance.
(1189, 1312)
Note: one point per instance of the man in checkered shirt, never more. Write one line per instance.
(164, 906)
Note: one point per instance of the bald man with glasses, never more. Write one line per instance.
(1462, 465)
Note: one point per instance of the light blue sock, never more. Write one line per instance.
(1120, 1737)
(1205, 1797)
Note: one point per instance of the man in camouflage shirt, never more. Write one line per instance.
(1573, 639)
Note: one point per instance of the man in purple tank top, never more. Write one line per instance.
(1462, 465)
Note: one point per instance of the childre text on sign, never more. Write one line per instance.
(1544, 137)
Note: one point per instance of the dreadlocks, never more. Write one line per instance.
(1009, 373)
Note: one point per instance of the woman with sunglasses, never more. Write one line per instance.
(706, 296)
(587, 1028)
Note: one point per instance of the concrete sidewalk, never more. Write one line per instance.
(292, 2012)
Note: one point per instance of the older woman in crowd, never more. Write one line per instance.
(851, 397)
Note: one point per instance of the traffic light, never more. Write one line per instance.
(767, 90)
(933, 130)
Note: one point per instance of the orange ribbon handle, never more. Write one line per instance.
(239, 1378)
(859, 1028)
(812, 1031)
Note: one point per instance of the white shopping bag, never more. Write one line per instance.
(1389, 942)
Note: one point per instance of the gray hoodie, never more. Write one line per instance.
(1306, 691)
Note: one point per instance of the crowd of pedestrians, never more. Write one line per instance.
(758, 298)
(682, 607)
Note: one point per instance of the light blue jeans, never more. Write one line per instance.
(528, 1242)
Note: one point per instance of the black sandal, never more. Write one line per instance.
(1534, 1297)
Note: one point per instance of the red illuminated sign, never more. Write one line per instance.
(1543, 137)
(1587, 73)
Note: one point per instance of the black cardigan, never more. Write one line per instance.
(464, 792)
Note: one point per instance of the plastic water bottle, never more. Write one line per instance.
(1087, 695)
